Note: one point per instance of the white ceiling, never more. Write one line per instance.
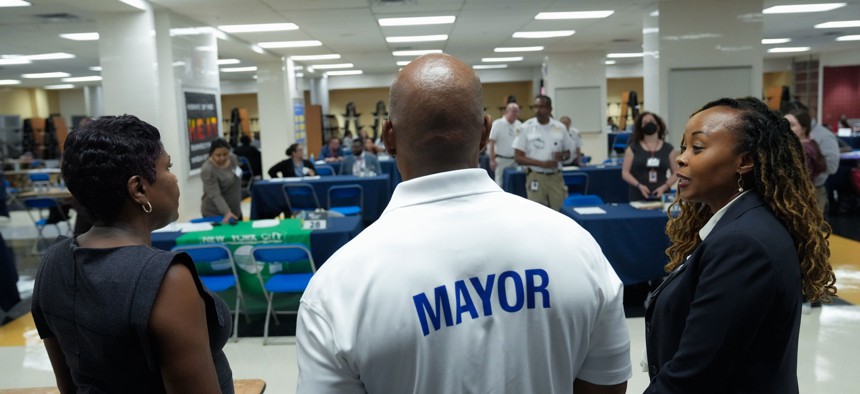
(350, 28)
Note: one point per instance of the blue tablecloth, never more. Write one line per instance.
(267, 197)
(389, 166)
(634, 241)
(854, 141)
(323, 242)
(605, 182)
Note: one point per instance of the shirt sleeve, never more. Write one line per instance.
(520, 140)
(494, 131)
(829, 147)
(323, 368)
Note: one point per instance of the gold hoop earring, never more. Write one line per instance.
(146, 207)
(740, 183)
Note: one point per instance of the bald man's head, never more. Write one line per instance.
(436, 113)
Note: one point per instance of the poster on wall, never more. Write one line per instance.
(299, 119)
(201, 114)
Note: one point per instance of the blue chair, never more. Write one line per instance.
(295, 269)
(300, 197)
(247, 176)
(207, 219)
(620, 142)
(39, 209)
(12, 195)
(576, 182)
(40, 180)
(324, 170)
(217, 272)
(587, 200)
(346, 199)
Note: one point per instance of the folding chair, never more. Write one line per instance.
(346, 199)
(300, 197)
(207, 219)
(619, 144)
(324, 170)
(218, 273)
(40, 180)
(39, 209)
(588, 200)
(295, 267)
(12, 195)
(576, 182)
(247, 176)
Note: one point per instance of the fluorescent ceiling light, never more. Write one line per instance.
(502, 59)
(81, 36)
(771, 41)
(238, 69)
(83, 79)
(298, 67)
(609, 62)
(332, 66)
(345, 72)
(489, 66)
(420, 20)
(290, 44)
(96, 68)
(7, 62)
(9, 82)
(258, 27)
(329, 56)
(41, 56)
(222, 62)
(518, 49)
(14, 3)
(848, 38)
(402, 63)
(416, 52)
(544, 34)
(623, 55)
(45, 75)
(61, 86)
(575, 15)
(299, 75)
(838, 24)
(655, 13)
(799, 8)
(788, 49)
(435, 37)
(257, 49)
(139, 4)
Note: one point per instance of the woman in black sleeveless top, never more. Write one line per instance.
(117, 315)
(647, 159)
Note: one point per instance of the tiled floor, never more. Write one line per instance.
(828, 338)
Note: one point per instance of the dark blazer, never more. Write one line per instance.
(727, 320)
(371, 161)
(287, 169)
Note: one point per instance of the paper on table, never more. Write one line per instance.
(194, 227)
(570, 168)
(589, 210)
(311, 177)
(172, 227)
(263, 223)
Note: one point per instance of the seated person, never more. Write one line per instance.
(332, 151)
(360, 163)
(294, 166)
(250, 152)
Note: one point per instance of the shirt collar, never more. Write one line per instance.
(709, 226)
(442, 186)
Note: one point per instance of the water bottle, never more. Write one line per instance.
(312, 158)
(613, 157)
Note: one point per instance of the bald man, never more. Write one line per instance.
(500, 145)
(443, 294)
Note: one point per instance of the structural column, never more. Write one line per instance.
(277, 97)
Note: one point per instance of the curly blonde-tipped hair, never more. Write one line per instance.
(779, 175)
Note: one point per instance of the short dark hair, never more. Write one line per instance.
(801, 113)
(218, 143)
(101, 156)
(546, 99)
(292, 149)
(245, 140)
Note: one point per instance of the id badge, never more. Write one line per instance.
(238, 172)
(652, 176)
(653, 162)
(534, 186)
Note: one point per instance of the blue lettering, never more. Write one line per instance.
(443, 309)
(503, 291)
(531, 289)
(464, 301)
(485, 292)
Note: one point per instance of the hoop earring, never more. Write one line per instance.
(740, 183)
(146, 207)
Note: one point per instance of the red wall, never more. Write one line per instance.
(841, 94)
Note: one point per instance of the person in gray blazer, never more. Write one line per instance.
(361, 163)
(748, 245)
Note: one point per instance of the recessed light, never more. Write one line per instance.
(623, 55)
(345, 72)
(290, 44)
(609, 62)
(329, 56)
(14, 3)
(332, 66)
(838, 24)
(848, 38)
(96, 68)
(83, 79)
(544, 34)
(9, 82)
(518, 49)
(800, 8)
(414, 21)
(41, 56)
(416, 52)
(502, 59)
(45, 75)
(771, 41)
(402, 63)
(489, 66)
(238, 69)
(788, 49)
(60, 86)
(222, 62)
(8, 62)
(434, 37)
(258, 27)
(574, 15)
(81, 36)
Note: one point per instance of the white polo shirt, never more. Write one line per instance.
(443, 294)
(503, 133)
(539, 141)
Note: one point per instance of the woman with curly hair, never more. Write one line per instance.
(747, 246)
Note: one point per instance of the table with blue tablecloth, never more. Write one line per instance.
(388, 165)
(267, 196)
(604, 181)
(853, 141)
(633, 240)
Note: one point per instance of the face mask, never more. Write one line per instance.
(649, 128)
